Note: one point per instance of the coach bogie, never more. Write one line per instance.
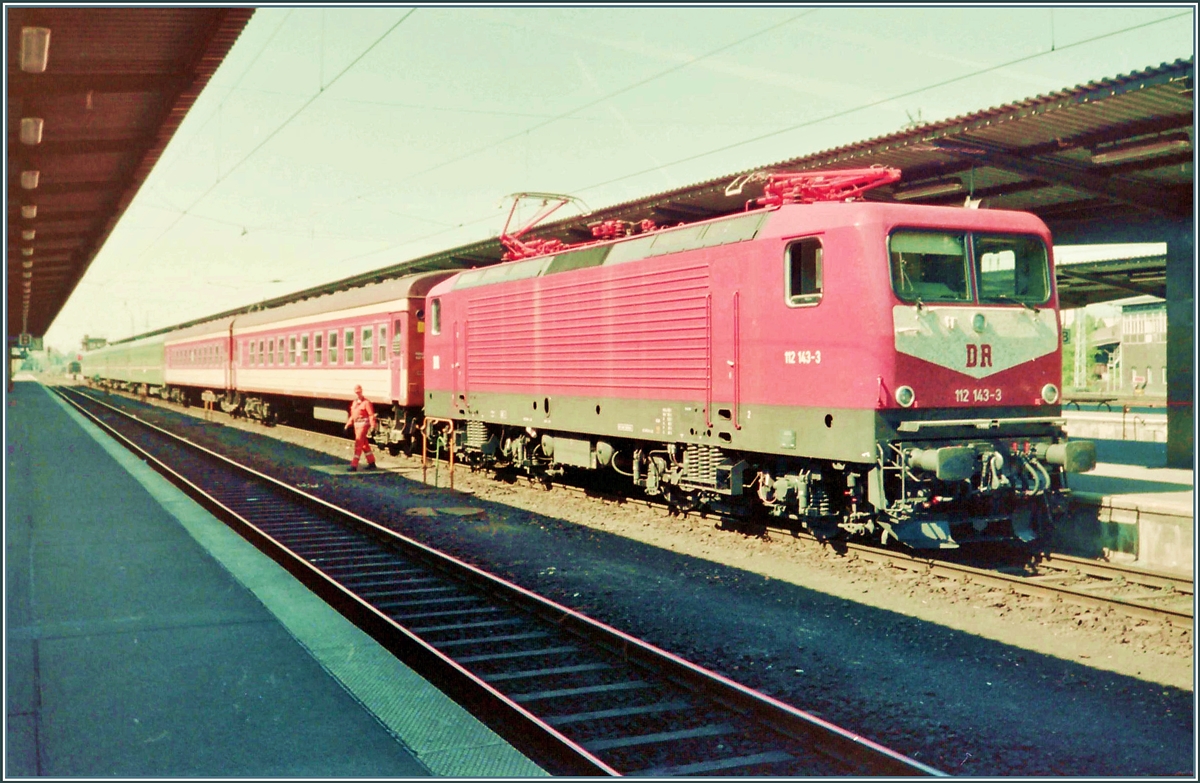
(399, 431)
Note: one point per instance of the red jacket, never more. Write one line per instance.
(362, 410)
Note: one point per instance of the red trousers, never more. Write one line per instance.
(361, 444)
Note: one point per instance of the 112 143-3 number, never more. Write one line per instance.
(977, 395)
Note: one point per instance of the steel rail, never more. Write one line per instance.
(1180, 584)
(856, 752)
(1023, 584)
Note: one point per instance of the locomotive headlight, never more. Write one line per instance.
(1050, 393)
(906, 396)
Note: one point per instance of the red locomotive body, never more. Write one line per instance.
(862, 367)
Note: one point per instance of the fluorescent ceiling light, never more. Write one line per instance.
(35, 49)
(29, 211)
(1148, 149)
(29, 179)
(932, 189)
(31, 130)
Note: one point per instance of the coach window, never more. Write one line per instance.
(333, 348)
(304, 349)
(317, 348)
(348, 346)
(435, 318)
(396, 337)
(368, 345)
(271, 351)
(804, 272)
(382, 343)
(252, 357)
(292, 349)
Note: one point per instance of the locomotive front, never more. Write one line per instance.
(970, 443)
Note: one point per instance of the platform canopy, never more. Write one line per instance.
(94, 96)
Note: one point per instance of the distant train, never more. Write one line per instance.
(847, 366)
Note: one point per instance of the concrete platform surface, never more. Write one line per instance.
(146, 639)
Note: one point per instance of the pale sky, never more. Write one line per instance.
(335, 141)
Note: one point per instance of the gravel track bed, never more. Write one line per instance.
(968, 679)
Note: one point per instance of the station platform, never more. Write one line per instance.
(1131, 508)
(146, 639)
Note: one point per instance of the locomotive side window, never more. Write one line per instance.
(1011, 269)
(435, 317)
(348, 347)
(929, 266)
(804, 272)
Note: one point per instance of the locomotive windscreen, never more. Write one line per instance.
(929, 266)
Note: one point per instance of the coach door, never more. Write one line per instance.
(398, 359)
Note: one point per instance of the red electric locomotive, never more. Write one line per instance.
(854, 367)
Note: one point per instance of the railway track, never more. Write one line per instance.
(578, 697)
(1126, 590)
(1132, 592)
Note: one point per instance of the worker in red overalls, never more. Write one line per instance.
(362, 417)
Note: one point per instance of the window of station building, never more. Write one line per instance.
(435, 317)
(348, 346)
(304, 349)
(333, 348)
(317, 348)
(805, 273)
(292, 349)
(929, 266)
(368, 345)
(383, 343)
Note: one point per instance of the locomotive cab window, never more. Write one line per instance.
(929, 266)
(804, 272)
(1011, 269)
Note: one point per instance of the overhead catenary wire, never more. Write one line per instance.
(761, 137)
(278, 129)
